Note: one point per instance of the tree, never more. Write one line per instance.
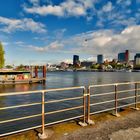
(2, 61)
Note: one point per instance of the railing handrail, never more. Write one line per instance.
(115, 99)
(113, 84)
(86, 96)
(40, 91)
(43, 102)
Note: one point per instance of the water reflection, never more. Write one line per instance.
(75, 79)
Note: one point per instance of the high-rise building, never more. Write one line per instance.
(124, 56)
(121, 57)
(76, 60)
(100, 59)
(137, 59)
(127, 55)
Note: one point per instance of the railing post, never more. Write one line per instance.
(116, 102)
(89, 121)
(136, 95)
(84, 108)
(43, 135)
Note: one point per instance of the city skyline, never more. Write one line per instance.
(51, 31)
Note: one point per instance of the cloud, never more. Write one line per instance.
(108, 7)
(9, 25)
(20, 43)
(117, 15)
(5, 44)
(34, 2)
(54, 46)
(66, 8)
(106, 42)
(110, 43)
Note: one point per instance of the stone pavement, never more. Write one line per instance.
(129, 134)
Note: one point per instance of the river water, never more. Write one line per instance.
(56, 80)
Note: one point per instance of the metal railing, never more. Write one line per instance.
(91, 98)
(43, 103)
(133, 94)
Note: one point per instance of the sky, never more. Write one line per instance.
(52, 31)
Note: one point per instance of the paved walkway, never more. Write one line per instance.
(123, 128)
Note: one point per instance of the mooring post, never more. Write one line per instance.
(31, 71)
(36, 71)
(44, 71)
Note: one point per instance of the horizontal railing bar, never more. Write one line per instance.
(18, 119)
(61, 100)
(113, 84)
(63, 110)
(126, 105)
(120, 99)
(138, 88)
(61, 89)
(35, 127)
(17, 106)
(39, 91)
(102, 94)
(102, 102)
(123, 91)
(19, 131)
(20, 93)
(103, 85)
(102, 111)
(138, 102)
(64, 120)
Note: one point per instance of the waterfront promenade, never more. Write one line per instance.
(126, 127)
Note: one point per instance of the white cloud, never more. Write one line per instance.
(45, 10)
(108, 7)
(34, 2)
(66, 8)
(27, 24)
(110, 43)
(20, 43)
(54, 46)
(128, 2)
(5, 44)
(107, 42)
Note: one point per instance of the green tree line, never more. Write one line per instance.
(2, 60)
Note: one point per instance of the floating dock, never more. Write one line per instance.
(22, 77)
